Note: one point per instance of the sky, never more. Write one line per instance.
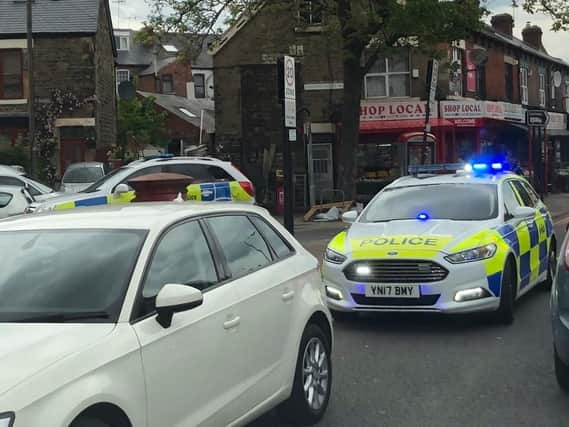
(131, 14)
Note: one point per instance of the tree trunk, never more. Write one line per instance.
(350, 130)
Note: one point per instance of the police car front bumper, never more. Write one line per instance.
(350, 296)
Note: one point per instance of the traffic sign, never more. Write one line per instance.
(537, 118)
(434, 80)
(289, 78)
(290, 113)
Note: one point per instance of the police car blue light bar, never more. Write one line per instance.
(480, 167)
(441, 167)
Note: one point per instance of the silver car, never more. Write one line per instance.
(80, 176)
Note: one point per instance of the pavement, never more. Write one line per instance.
(396, 369)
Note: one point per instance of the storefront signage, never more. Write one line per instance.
(513, 112)
(557, 121)
(461, 110)
(382, 111)
(537, 118)
(493, 110)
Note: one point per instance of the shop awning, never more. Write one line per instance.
(375, 126)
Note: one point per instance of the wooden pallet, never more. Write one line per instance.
(343, 206)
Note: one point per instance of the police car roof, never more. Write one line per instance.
(457, 178)
(145, 216)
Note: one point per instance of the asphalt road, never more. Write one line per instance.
(433, 370)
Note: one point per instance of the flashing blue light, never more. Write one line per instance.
(479, 166)
(422, 216)
(497, 166)
(468, 167)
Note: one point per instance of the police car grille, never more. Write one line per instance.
(397, 271)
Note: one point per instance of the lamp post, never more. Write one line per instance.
(31, 94)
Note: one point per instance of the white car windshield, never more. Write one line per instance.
(83, 175)
(458, 202)
(112, 178)
(57, 276)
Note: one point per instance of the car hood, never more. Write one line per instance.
(407, 238)
(26, 349)
(68, 198)
(47, 196)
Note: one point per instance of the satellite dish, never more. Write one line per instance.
(127, 91)
(478, 56)
(557, 78)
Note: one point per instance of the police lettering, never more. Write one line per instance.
(399, 241)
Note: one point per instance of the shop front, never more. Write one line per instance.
(392, 139)
(557, 154)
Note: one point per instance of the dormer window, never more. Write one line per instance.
(122, 41)
(310, 12)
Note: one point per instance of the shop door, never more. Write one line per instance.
(416, 151)
(323, 170)
(72, 151)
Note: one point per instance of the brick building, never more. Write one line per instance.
(485, 86)
(74, 52)
(181, 88)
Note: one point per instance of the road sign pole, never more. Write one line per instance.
(289, 104)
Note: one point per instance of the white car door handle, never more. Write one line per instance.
(287, 296)
(233, 323)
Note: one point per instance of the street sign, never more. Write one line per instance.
(434, 69)
(292, 135)
(537, 118)
(290, 113)
(289, 78)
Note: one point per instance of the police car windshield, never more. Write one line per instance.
(458, 202)
(118, 173)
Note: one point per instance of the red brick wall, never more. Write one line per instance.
(495, 72)
(181, 73)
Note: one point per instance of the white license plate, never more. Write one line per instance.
(392, 291)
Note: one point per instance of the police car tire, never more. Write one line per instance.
(505, 312)
(561, 372)
(296, 410)
(546, 285)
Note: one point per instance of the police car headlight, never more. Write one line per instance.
(333, 256)
(476, 254)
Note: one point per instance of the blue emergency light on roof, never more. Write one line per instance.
(441, 168)
(484, 167)
(422, 216)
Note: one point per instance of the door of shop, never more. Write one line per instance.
(323, 169)
(72, 151)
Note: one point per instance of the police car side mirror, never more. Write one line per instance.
(521, 212)
(121, 189)
(350, 217)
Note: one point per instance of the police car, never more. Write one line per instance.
(216, 180)
(475, 240)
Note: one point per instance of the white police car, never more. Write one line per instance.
(471, 241)
(216, 180)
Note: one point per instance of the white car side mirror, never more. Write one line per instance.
(350, 217)
(174, 298)
(521, 212)
(121, 189)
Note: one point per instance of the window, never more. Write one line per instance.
(567, 96)
(310, 12)
(523, 193)
(183, 257)
(199, 85)
(123, 76)
(122, 42)
(11, 79)
(481, 81)
(5, 198)
(531, 192)
(541, 90)
(199, 172)
(244, 248)
(509, 82)
(470, 74)
(389, 77)
(455, 72)
(510, 200)
(167, 83)
(280, 247)
(12, 181)
(524, 93)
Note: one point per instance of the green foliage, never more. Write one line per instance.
(140, 124)
(558, 10)
(14, 155)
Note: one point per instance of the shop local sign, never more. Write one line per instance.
(391, 111)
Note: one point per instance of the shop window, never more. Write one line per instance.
(388, 77)
(310, 12)
(524, 86)
(11, 79)
(541, 90)
(509, 82)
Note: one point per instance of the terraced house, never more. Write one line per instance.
(74, 54)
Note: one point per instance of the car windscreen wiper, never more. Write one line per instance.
(63, 317)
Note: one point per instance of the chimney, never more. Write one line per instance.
(503, 24)
(532, 36)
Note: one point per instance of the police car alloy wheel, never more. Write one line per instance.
(313, 379)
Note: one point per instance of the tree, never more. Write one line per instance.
(558, 10)
(366, 30)
(140, 124)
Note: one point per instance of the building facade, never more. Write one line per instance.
(486, 84)
(74, 54)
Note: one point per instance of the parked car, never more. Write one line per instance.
(80, 176)
(560, 317)
(160, 314)
(11, 176)
(13, 201)
(213, 181)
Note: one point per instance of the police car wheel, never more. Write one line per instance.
(505, 312)
(561, 372)
(312, 380)
(551, 266)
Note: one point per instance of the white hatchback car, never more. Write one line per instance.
(162, 314)
(13, 201)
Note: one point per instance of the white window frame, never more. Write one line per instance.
(524, 91)
(122, 70)
(542, 90)
(121, 37)
(386, 75)
(310, 21)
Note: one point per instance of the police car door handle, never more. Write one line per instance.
(232, 323)
(287, 295)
